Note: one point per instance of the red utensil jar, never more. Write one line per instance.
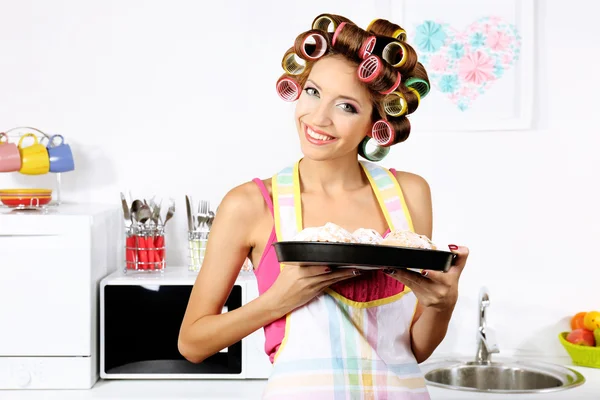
(144, 249)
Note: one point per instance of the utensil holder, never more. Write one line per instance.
(144, 249)
(197, 248)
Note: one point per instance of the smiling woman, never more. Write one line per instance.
(377, 66)
(332, 333)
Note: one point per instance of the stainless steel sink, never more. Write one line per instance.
(483, 375)
(501, 377)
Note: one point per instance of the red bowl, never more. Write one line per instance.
(25, 201)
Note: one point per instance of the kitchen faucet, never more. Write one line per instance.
(486, 337)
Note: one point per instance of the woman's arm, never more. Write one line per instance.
(204, 330)
(430, 324)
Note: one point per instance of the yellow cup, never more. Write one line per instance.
(34, 158)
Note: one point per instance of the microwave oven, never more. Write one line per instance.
(140, 318)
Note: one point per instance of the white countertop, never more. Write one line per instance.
(252, 390)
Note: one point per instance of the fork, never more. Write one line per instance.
(203, 208)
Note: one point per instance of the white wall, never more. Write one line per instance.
(177, 97)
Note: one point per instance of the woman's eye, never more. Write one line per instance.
(348, 108)
(311, 91)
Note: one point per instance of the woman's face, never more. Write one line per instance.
(333, 113)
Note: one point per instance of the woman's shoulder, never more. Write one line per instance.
(245, 201)
(417, 195)
(411, 182)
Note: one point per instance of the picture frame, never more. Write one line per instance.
(479, 56)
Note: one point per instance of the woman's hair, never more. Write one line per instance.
(386, 65)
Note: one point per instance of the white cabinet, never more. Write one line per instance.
(50, 266)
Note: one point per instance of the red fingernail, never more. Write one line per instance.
(424, 273)
(453, 247)
(327, 269)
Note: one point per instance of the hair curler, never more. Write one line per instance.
(337, 32)
(288, 89)
(383, 133)
(395, 104)
(324, 23)
(369, 69)
(418, 84)
(313, 46)
(367, 47)
(394, 85)
(394, 53)
(292, 64)
(399, 34)
(378, 153)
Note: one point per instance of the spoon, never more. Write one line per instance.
(144, 213)
(135, 207)
(170, 211)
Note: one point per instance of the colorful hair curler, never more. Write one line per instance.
(420, 85)
(395, 104)
(314, 45)
(367, 47)
(288, 89)
(377, 154)
(399, 34)
(394, 53)
(292, 64)
(337, 32)
(369, 69)
(324, 23)
(416, 92)
(383, 133)
(395, 85)
(371, 24)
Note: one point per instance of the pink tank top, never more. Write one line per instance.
(370, 286)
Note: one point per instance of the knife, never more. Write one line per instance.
(188, 207)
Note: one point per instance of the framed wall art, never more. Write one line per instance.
(479, 56)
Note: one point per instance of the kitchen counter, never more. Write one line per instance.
(252, 389)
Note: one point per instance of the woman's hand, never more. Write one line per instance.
(296, 286)
(435, 289)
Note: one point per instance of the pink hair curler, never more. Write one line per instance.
(383, 133)
(337, 32)
(369, 69)
(367, 47)
(395, 85)
(288, 89)
(314, 46)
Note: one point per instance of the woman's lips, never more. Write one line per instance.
(318, 138)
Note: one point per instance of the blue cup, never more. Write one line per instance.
(61, 157)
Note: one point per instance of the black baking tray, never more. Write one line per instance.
(358, 255)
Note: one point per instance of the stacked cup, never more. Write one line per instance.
(35, 159)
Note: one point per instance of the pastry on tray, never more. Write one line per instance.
(364, 248)
(333, 233)
(408, 239)
(329, 232)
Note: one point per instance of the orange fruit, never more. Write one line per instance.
(577, 320)
(591, 320)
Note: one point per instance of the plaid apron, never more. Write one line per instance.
(335, 348)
